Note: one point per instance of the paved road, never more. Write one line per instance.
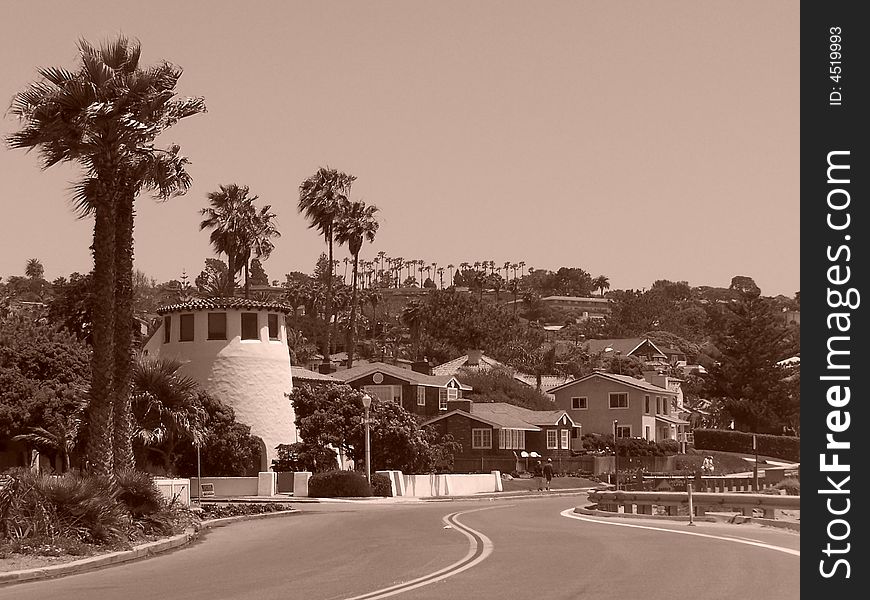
(522, 548)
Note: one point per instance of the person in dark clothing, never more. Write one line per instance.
(548, 472)
(538, 472)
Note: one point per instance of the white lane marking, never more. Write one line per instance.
(569, 512)
(484, 546)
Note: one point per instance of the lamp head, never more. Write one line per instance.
(366, 400)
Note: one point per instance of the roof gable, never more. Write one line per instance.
(621, 379)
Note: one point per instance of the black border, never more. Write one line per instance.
(826, 128)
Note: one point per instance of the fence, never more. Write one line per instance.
(586, 463)
(644, 503)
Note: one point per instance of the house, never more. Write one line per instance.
(642, 348)
(419, 393)
(303, 375)
(601, 401)
(492, 431)
(475, 359)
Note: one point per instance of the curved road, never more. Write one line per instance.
(509, 548)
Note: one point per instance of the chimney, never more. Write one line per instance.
(460, 404)
(421, 366)
(654, 378)
(473, 357)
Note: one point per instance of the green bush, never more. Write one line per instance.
(726, 440)
(71, 505)
(791, 486)
(338, 484)
(219, 511)
(381, 485)
(138, 492)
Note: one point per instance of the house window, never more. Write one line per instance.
(647, 433)
(273, 327)
(385, 393)
(421, 396)
(481, 438)
(623, 431)
(217, 326)
(658, 405)
(185, 328)
(618, 400)
(646, 404)
(249, 326)
(565, 433)
(667, 405)
(445, 394)
(579, 403)
(552, 439)
(511, 439)
(167, 329)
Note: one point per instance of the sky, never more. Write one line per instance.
(639, 140)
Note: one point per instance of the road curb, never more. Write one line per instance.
(140, 551)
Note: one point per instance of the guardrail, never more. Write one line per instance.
(643, 502)
(713, 483)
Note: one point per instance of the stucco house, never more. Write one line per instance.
(641, 409)
(419, 393)
(499, 431)
(477, 360)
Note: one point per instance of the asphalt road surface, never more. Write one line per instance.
(507, 548)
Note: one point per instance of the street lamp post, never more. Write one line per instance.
(198, 476)
(367, 402)
(615, 453)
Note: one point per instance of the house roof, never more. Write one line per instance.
(507, 416)
(548, 382)
(223, 303)
(304, 375)
(624, 346)
(452, 367)
(625, 379)
(671, 420)
(578, 299)
(413, 377)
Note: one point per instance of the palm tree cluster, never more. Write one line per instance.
(388, 272)
(105, 115)
(239, 230)
(324, 200)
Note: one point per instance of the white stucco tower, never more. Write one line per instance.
(237, 350)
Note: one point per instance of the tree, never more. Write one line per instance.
(60, 437)
(747, 377)
(167, 408)
(228, 448)
(34, 269)
(744, 285)
(106, 116)
(601, 283)
(258, 273)
(214, 279)
(499, 385)
(320, 200)
(356, 224)
(332, 415)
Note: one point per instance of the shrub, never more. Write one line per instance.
(219, 511)
(136, 490)
(791, 486)
(669, 447)
(338, 484)
(72, 505)
(381, 485)
(726, 440)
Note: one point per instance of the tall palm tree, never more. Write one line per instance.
(356, 225)
(320, 198)
(255, 238)
(514, 267)
(521, 264)
(441, 276)
(346, 261)
(106, 115)
(451, 266)
(507, 270)
(230, 207)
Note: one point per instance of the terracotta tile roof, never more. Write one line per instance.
(223, 303)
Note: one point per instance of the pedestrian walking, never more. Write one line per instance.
(548, 472)
(538, 472)
(707, 465)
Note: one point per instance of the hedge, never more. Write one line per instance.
(726, 440)
(338, 484)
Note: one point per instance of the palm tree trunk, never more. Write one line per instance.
(100, 450)
(123, 335)
(328, 316)
(351, 329)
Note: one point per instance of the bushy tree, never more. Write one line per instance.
(332, 415)
(499, 385)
